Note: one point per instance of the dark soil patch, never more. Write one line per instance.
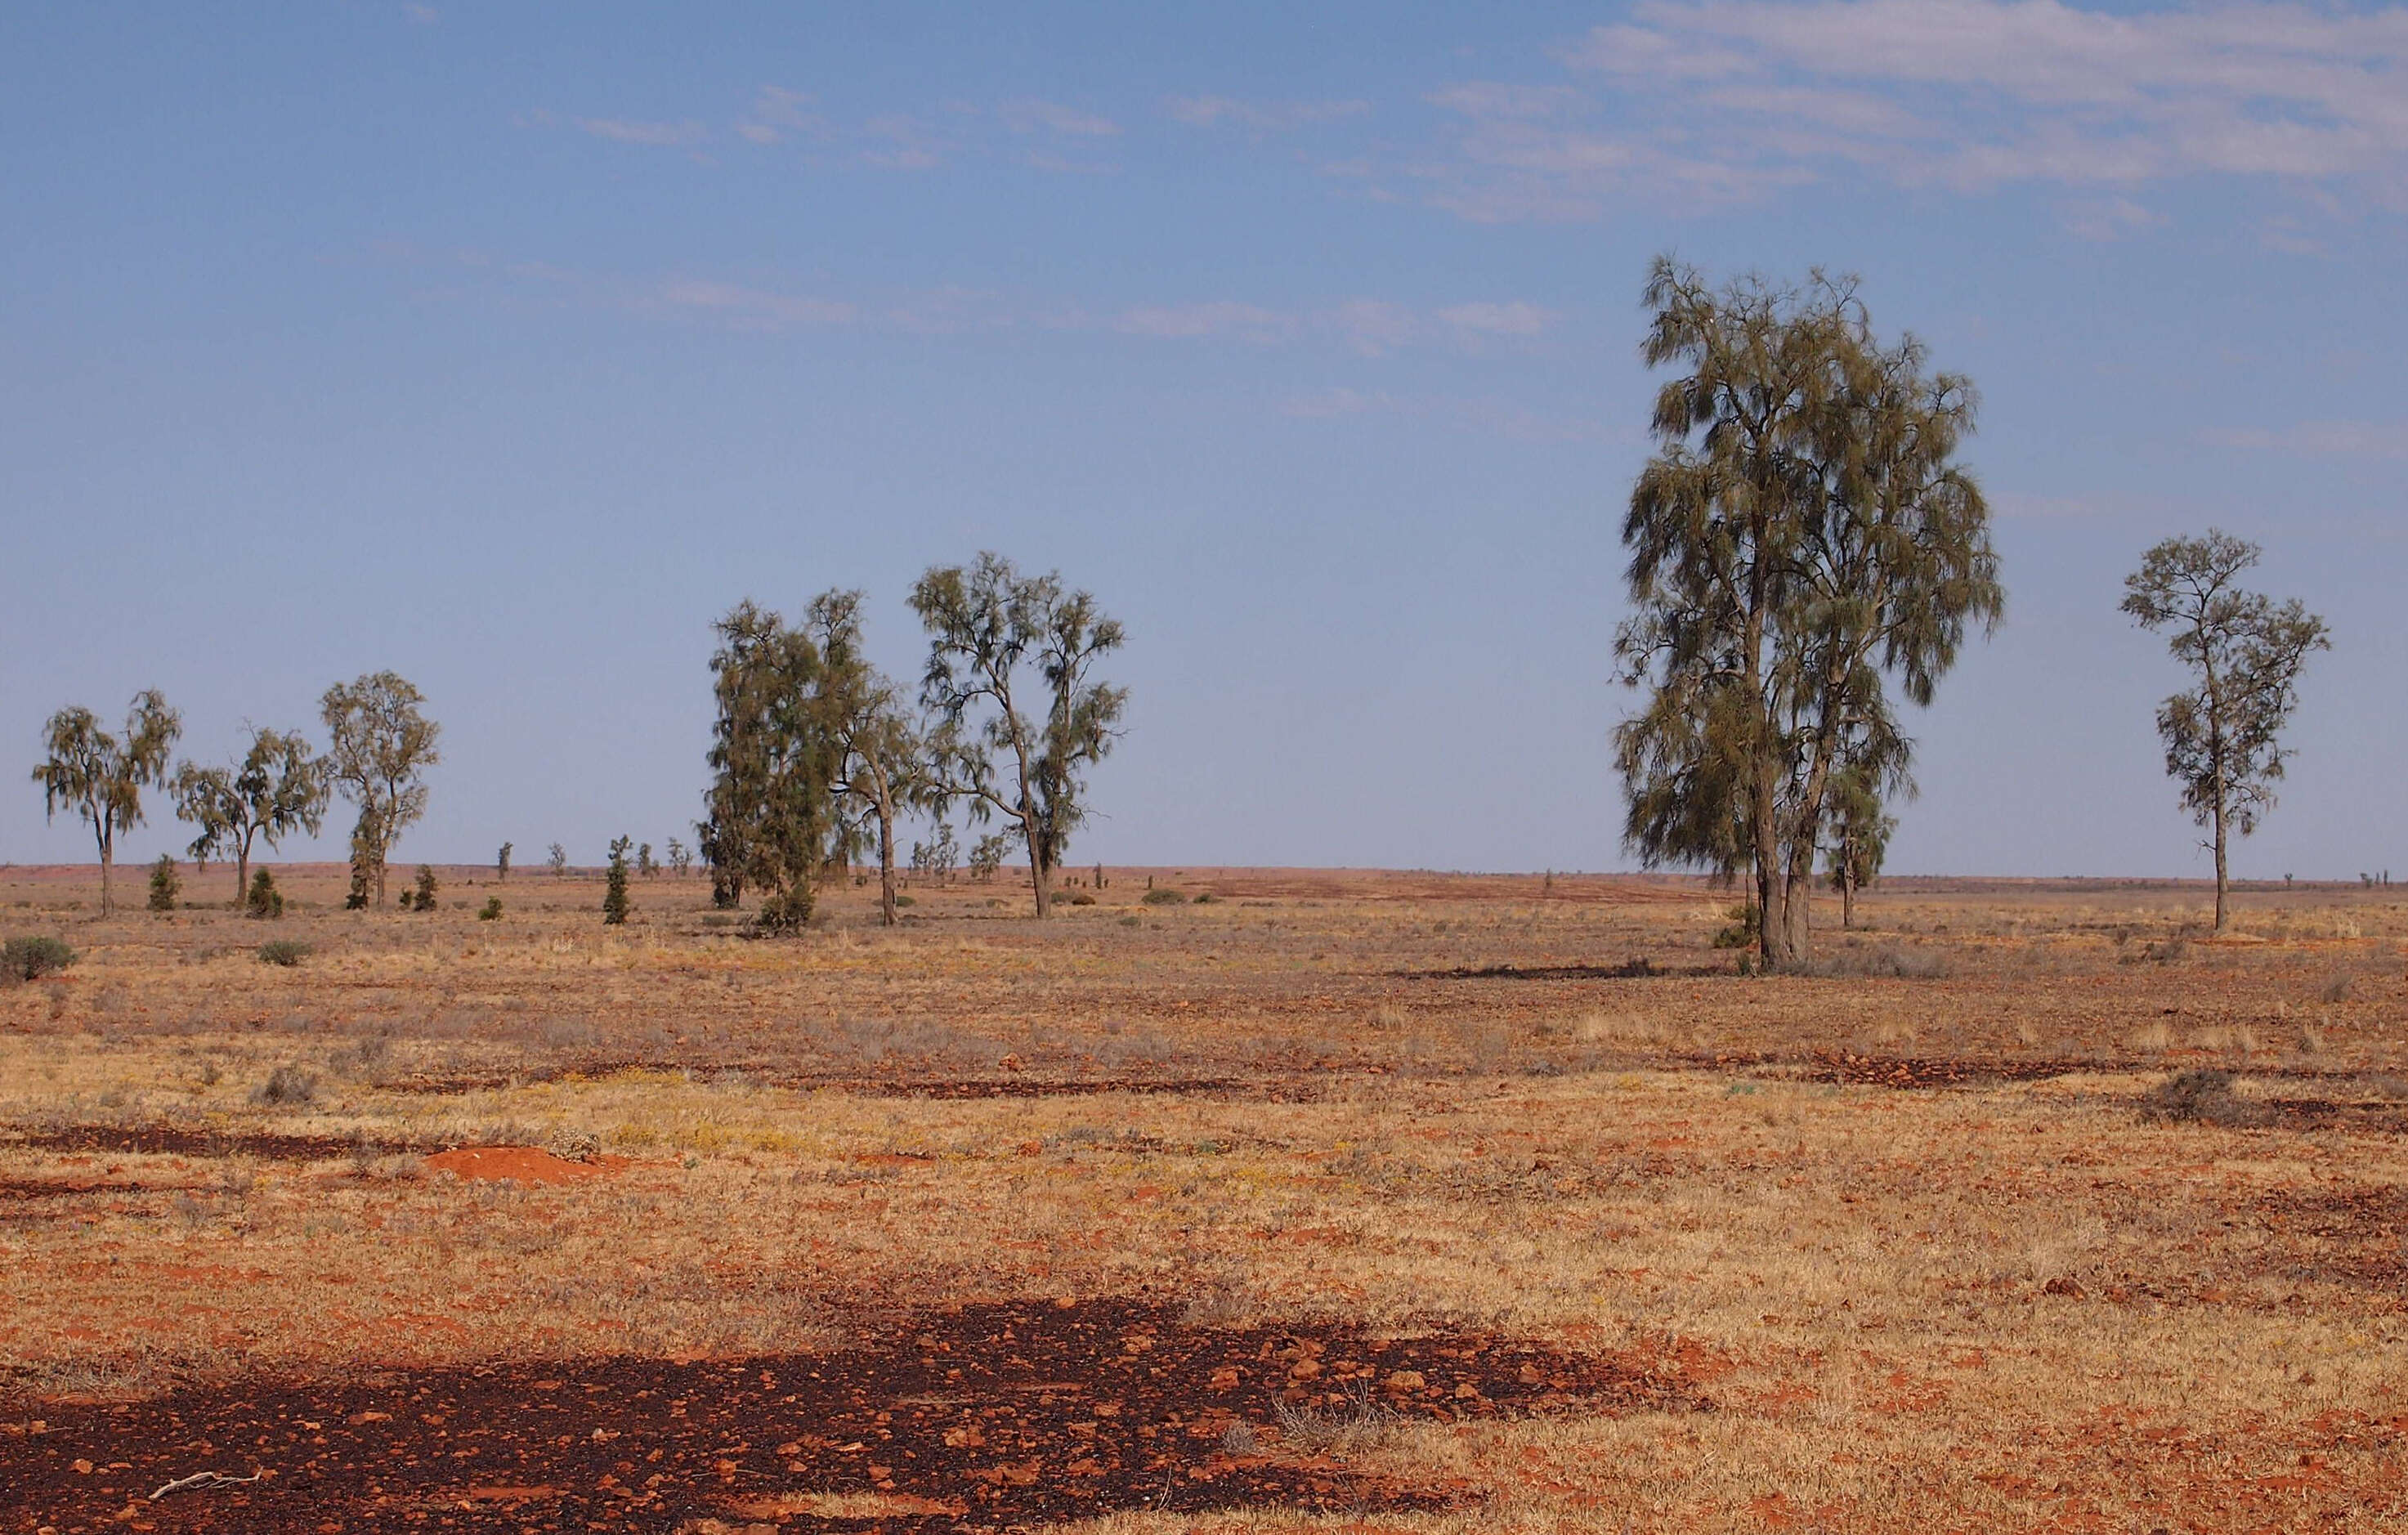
(171, 1141)
(918, 1086)
(978, 1419)
(2359, 1236)
(13, 1191)
(1629, 970)
(1918, 1071)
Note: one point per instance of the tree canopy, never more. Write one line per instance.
(101, 775)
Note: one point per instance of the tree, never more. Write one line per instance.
(986, 626)
(164, 884)
(986, 856)
(557, 861)
(422, 898)
(1801, 538)
(502, 863)
(614, 888)
(882, 756)
(101, 776)
(281, 787)
(383, 745)
(680, 858)
(1860, 840)
(644, 865)
(934, 860)
(771, 820)
(2222, 737)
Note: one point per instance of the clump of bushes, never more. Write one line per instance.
(1740, 929)
(422, 898)
(1079, 897)
(491, 910)
(32, 958)
(164, 884)
(286, 1084)
(2199, 1096)
(262, 900)
(1165, 897)
(284, 952)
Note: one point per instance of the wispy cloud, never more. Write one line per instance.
(1032, 116)
(1371, 326)
(681, 136)
(778, 113)
(757, 308)
(2107, 219)
(2322, 439)
(1708, 100)
(1258, 117)
(1206, 321)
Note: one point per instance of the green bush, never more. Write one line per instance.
(423, 897)
(491, 910)
(1740, 934)
(906, 900)
(32, 958)
(164, 882)
(263, 900)
(1206, 898)
(1079, 897)
(285, 951)
(1164, 897)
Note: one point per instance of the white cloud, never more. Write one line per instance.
(660, 134)
(1259, 116)
(907, 144)
(2322, 439)
(1711, 100)
(2106, 219)
(1031, 116)
(778, 112)
(1195, 321)
(755, 308)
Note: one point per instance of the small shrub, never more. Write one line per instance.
(1206, 898)
(491, 910)
(2200, 1095)
(614, 890)
(286, 1084)
(1079, 897)
(284, 951)
(164, 884)
(1163, 896)
(32, 958)
(1739, 931)
(906, 900)
(2339, 987)
(262, 900)
(1132, 921)
(423, 897)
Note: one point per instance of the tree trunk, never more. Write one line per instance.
(241, 876)
(1038, 872)
(2219, 865)
(1772, 916)
(1847, 892)
(886, 863)
(108, 854)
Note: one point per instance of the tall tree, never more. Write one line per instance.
(2223, 737)
(383, 744)
(988, 627)
(281, 787)
(1801, 538)
(101, 776)
(770, 816)
(883, 768)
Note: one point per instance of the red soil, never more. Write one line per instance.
(521, 1164)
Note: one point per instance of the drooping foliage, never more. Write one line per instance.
(770, 818)
(101, 775)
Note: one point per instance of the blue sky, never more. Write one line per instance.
(507, 345)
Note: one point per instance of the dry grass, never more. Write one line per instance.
(1401, 1103)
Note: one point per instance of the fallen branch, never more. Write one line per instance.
(205, 1479)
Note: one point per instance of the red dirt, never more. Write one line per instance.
(520, 1165)
(979, 1418)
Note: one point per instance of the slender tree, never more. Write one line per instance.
(989, 627)
(101, 776)
(1860, 833)
(502, 863)
(771, 819)
(2223, 737)
(680, 858)
(614, 886)
(1802, 540)
(557, 861)
(382, 743)
(884, 768)
(281, 787)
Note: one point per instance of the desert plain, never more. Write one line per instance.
(1358, 1202)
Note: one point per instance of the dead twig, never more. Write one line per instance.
(210, 1481)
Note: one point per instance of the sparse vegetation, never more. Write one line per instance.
(615, 889)
(101, 776)
(280, 787)
(263, 900)
(383, 745)
(284, 953)
(32, 958)
(164, 884)
(491, 910)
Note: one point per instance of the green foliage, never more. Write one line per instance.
(491, 910)
(382, 743)
(2223, 738)
(502, 862)
(101, 776)
(905, 900)
(615, 889)
(281, 787)
(886, 762)
(644, 865)
(934, 859)
(680, 858)
(988, 628)
(1801, 541)
(367, 868)
(1164, 895)
(284, 951)
(164, 884)
(1739, 929)
(263, 900)
(987, 855)
(32, 958)
(772, 819)
(421, 899)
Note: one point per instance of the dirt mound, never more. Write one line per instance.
(981, 1418)
(520, 1165)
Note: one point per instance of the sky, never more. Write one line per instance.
(506, 346)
